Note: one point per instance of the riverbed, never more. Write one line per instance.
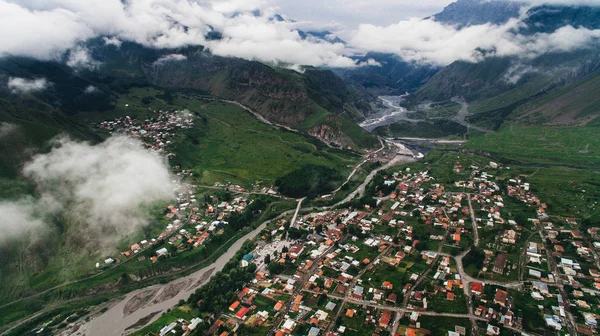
(147, 304)
(391, 113)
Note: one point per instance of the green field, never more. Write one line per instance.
(575, 146)
(227, 144)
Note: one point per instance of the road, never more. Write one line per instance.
(293, 222)
(360, 191)
(353, 283)
(357, 167)
(571, 324)
(474, 221)
(298, 287)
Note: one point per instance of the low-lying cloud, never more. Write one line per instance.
(431, 42)
(170, 58)
(103, 188)
(17, 218)
(79, 58)
(19, 85)
(54, 28)
(6, 129)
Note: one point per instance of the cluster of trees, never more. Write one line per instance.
(240, 220)
(309, 181)
(475, 257)
(220, 291)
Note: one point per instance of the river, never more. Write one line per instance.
(392, 112)
(152, 301)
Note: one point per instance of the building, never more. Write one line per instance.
(500, 264)
(501, 297)
(385, 319)
(476, 288)
(161, 252)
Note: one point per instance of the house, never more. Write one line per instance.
(492, 330)
(387, 285)
(247, 259)
(476, 288)
(234, 306)
(314, 331)
(501, 297)
(509, 237)
(500, 264)
(450, 296)
(241, 314)
(161, 252)
(296, 250)
(385, 319)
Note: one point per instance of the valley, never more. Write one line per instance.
(210, 168)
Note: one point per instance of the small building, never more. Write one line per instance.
(500, 264)
(161, 252)
(501, 297)
(385, 319)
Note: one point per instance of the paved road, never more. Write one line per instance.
(474, 220)
(293, 222)
(358, 167)
(360, 191)
(351, 286)
(299, 286)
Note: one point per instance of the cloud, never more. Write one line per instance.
(90, 89)
(369, 62)
(113, 41)
(430, 42)
(18, 218)
(6, 129)
(105, 185)
(170, 58)
(23, 85)
(102, 188)
(80, 59)
(514, 74)
(49, 29)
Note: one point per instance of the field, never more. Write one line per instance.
(227, 144)
(579, 147)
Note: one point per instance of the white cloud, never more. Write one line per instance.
(170, 58)
(90, 89)
(113, 41)
(79, 59)
(427, 41)
(48, 29)
(6, 129)
(102, 187)
(19, 85)
(369, 62)
(17, 218)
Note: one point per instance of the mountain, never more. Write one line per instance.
(464, 13)
(316, 101)
(501, 89)
(393, 76)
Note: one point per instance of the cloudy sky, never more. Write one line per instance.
(58, 29)
(351, 13)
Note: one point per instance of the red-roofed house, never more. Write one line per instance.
(241, 314)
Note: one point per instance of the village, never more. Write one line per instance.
(483, 253)
(190, 222)
(429, 258)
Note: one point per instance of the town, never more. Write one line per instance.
(479, 255)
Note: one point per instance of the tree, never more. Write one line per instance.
(267, 259)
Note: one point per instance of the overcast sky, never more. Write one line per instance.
(58, 29)
(351, 13)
